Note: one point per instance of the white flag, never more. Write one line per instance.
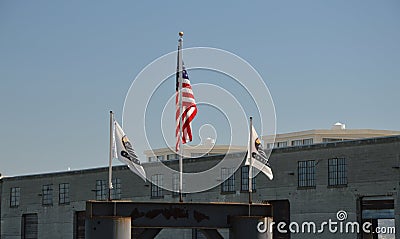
(260, 159)
(124, 151)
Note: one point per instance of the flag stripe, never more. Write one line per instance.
(189, 109)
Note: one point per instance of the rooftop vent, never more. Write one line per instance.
(209, 141)
(338, 126)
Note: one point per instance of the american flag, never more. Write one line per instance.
(189, 108)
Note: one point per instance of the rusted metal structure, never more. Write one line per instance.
(115, 219)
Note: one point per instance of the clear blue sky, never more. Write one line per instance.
(65, 64)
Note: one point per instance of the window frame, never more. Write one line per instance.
(302, 142)
(116, 191)
(160, 158)
(172, 157)
(306, 174)
(101, 190)
(47, 195)
(15, 197)
(155, 190)
(337, 172)
(282, 144)
(228, 184)
(244, 180)
(175, 186)
(297, 142)
(63, 194)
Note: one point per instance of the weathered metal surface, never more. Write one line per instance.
(175, 215)
(247, 227)
(108, 228)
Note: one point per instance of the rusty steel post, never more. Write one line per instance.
(248, 227)
(211, 233)
(108, 228)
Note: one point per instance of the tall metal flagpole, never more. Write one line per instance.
(251, 141)
(180, 76)
(110, 186)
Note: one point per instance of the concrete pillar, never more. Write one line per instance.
(397, 211)
(211, 233)
(247, 227)
(150, 233)
(108, 228)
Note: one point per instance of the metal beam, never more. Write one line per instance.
(176, 215)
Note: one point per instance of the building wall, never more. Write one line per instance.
(318, 136)
(1, 204)
(369, 172)
(372, 170)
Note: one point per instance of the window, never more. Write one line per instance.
(14, 197)
(160, 158)
(47, 195)
(245, 180)
(156, 184)
(101, 190)
(228, 177)
(308, 141)
(270, 145)
(63, 197)
(299, 142)
(282, 144)
(327, 140)
(306, 173)
(172, 156)
(337, 172)
(29, 226)
(175, 185)
(116, 190)
(151, 159)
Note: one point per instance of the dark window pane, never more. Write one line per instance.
(306, 173)
(337, 172)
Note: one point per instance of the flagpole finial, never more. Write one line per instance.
(111, 112)
(181, 34)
